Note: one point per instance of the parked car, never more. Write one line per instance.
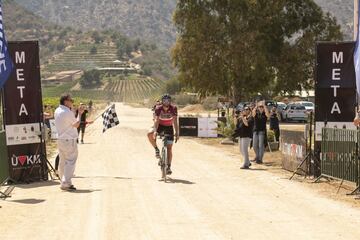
(280, 108)
(310, 107)
(281, 105)
(270, 104)
(295, 112)
(241, 105)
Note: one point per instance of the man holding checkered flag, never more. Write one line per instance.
(110, 118)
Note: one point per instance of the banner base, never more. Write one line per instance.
(8, 191)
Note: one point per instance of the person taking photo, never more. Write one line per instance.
(260, 114)
(245, 124)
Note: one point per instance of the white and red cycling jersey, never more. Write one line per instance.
(166, 117)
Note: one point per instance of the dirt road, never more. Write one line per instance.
(120, 196)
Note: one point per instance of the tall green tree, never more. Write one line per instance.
(241, 47)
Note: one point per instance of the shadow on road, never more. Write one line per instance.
(181, 181)
(29, 201)
(257, 169)
(37, 184)
(86, 191)
(121, 178)
(270, 164)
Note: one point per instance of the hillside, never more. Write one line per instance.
(145, 19)
(21, 24)
(343, 10)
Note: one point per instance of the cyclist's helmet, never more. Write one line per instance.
(166, 99)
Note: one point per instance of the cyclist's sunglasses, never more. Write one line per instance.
(166, 101)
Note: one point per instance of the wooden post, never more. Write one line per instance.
(356, 18)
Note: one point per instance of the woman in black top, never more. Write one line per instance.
(245, 127)
(260, 115)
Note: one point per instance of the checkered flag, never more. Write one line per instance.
(110, 118)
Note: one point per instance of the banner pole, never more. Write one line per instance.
(356, 18)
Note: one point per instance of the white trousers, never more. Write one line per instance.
(68, 153)
(244, 150)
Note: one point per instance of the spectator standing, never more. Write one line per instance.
(260, 114)
(83, 121)
(66, 125)
(47, 115)
(245, 124)
(275, 123)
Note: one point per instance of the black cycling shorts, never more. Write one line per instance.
(169, 130)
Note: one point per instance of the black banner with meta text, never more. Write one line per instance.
(335, 86)
(335, 90)
(23, 113)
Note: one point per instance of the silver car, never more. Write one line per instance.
(295, 112)
(310, 107)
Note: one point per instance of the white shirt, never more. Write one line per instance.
(64, 120)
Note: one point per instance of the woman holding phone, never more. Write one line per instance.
(245, 128)
(260, 114)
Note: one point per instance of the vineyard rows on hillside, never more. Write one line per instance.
(80, 57)
(133, 90)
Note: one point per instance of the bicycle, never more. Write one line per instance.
(164, 155)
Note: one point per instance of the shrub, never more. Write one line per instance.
(270, 136)
(60, 46)
(93, 50)
(173, 86)
(97, 37)
(147, 70)
(90, 78)
(226, 129)
(184, 100)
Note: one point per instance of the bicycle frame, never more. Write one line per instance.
(164, 154)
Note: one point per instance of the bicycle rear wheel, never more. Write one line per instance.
(164, 162)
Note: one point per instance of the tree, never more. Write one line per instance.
(90, 78)
(173, 86)
(147, 70)
(97, 37)
(93, 50)
(241, 47)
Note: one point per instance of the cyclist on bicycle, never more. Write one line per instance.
(165, 120)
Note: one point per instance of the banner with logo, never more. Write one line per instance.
(23, 114)
(188, 126)
(335, 87)
(203, 127)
